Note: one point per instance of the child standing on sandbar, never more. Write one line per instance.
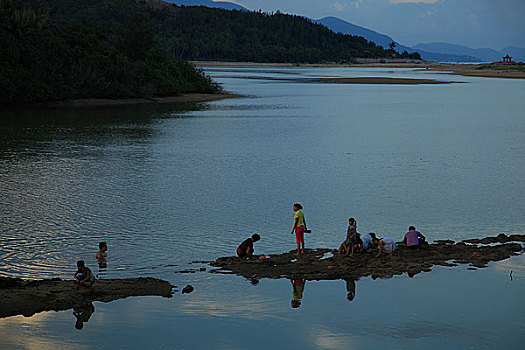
(299, 227)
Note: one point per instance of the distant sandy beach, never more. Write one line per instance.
(487, 70)
(383, 80)
(197, 97)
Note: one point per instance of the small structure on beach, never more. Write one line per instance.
(507, 59)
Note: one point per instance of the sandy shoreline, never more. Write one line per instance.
(486, 70)
(18, 297)
(184, 98)
(383, 80)
(316, 264)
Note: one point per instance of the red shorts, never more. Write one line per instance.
(299, 234)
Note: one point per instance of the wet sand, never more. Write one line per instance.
(130, 101)
(19, 297)
(311, 266)
(383, 80)
(486, 70)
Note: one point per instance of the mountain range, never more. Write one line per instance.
(439, 52)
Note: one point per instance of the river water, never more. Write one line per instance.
(166, 185)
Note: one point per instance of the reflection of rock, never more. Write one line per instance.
(27, 298)
(413, 270)
(188, 289)
(312, 267)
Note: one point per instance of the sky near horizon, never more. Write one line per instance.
(475, 23)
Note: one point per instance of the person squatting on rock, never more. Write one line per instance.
(83, 274)
(245, 249)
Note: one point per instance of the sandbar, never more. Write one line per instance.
(326, 264)
(486, 70)
(20, 297)
(383, 80)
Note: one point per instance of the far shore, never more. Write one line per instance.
(487, 70)
(184, 98)
(383, 80)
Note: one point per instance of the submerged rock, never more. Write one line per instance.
(188, 289)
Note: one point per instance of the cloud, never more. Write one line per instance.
(413, 1)
(339, 7)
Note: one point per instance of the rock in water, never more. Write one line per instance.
(188, 289)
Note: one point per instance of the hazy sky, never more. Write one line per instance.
(474, 23)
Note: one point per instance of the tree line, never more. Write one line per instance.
(43, 59)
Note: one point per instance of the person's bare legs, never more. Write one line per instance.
(381, 244)
(298, 249)
(353, 247)
(302, 250)
(341, 247)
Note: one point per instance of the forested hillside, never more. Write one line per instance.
(202, 33)
(44, 59)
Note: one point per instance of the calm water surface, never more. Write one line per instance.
(168, 185)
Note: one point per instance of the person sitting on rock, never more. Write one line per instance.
(386, 245)
(367, 241)
(245, 249)
(413, 239)
(351, 238)
(84, 274)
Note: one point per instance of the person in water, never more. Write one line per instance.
(299, 227)
(351, 238)
(297, 292)
(386, 245)
(84, 274)
(413, 239)
(245, 249)
(103, 248)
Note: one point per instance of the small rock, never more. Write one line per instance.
(188, 289)
(202, 269)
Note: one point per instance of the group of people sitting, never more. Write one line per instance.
(367, 242)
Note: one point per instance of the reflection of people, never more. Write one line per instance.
(413, 239)
(84, 274)
(101, 255)
(386, 245)
(297, 292)
(351, 238)
(350, 288)
(245, 249)
(299, 226)
(83, 313)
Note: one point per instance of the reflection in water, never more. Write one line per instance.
(297, 292)
(82, 314)
(350, 288)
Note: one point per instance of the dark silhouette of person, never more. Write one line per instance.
(82, 314)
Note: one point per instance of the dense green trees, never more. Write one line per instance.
(201, 33)
(42, 61)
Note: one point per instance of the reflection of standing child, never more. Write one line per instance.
(350, 288)
(299, 227)
(297, 292)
